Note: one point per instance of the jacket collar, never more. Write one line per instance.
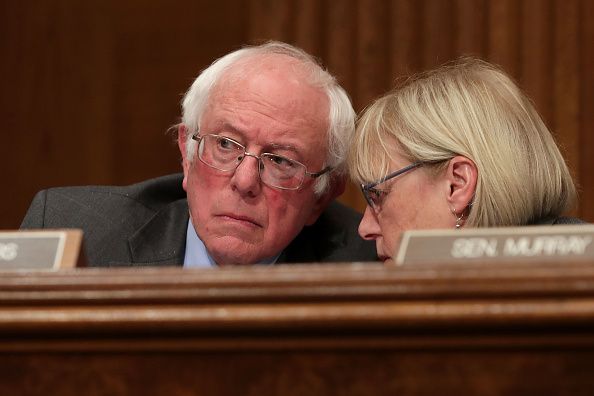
(162, 240)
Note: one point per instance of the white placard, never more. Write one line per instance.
(530, 243)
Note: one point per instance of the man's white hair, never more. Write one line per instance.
(341, 116)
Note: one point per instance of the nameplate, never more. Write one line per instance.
(487, 245)
(43, 249)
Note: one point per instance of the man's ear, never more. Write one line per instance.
(335, 189)
(182, 134)
(462, 175)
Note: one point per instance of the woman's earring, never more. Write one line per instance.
(458, 218)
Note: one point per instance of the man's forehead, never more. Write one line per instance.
(290, 72)
(271, 104)
(281, 95)
(259, 63)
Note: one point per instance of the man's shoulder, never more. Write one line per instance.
(151, 194)
(111, 215)
(115, 207)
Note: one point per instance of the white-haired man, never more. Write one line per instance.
(263, 139)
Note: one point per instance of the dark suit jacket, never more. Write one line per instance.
(558, 221)
(145, 224)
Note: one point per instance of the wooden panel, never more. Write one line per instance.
(536, 46)
(292, 330)
(341, 54)
(309, 27)
(404, 54)
(439, 35)
(341, 58)
(56, 99)
(372, 46)
(566, 81)
(288, 373)
(92, 87)
(372, 68)
(504, 31)
(586, 147)
(471, 27)
(155, 66)
(270, 20)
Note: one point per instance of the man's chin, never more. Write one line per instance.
(234, 264)
(234, 252)
(226, 258)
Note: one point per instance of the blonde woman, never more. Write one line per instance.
(459, 146)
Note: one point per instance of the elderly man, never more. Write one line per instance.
(263, 140)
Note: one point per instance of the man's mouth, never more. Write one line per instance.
(240, 219)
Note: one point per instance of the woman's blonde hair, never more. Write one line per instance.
(473, 109)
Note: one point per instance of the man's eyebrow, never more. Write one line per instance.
(230, 128)
(289, 147)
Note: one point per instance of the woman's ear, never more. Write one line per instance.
(462, 175)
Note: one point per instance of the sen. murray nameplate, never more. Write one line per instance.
(530, 243)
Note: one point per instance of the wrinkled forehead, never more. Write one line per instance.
(283, 65)
(276, 84)
(271, 96)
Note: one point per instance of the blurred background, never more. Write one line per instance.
(89, 88)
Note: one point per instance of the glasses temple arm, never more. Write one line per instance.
(320, 173)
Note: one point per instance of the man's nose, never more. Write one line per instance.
(246, 178)
(369, 228)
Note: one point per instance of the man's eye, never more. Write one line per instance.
(281, 162)
(226, 144)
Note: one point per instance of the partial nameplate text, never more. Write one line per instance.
(40, 249)
(532, 243)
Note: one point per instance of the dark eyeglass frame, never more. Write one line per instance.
(197, 137)
(378, 194)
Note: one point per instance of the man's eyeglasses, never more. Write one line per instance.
(375, 196)
(225, 154)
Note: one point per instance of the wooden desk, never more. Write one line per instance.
(357, 329)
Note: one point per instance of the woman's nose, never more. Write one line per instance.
(369, 228)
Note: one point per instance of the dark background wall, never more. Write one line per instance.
(89, 88)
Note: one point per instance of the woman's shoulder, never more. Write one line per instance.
(558, 220)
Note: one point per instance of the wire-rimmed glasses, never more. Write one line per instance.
(225, 154)
(375, 196)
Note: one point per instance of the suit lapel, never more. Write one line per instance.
(162, 240)
(313, 244)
